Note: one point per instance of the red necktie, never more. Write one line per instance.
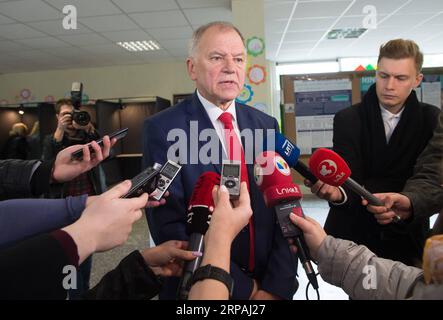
(235, 151)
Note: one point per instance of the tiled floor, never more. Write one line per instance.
(139, 238)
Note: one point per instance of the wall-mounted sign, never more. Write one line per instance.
(255, 46)
(49, 99)
(256, 74)
(245, 95)
(24, 95)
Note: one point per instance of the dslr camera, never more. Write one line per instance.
(82, 118)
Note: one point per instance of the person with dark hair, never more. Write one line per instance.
(93, 182)
(381, 139)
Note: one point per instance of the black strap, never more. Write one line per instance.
(212, 272)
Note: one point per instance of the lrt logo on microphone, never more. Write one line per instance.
(282, 166)
(327, 168)
(287, 147)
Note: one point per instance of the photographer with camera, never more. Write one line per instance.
(74, 127)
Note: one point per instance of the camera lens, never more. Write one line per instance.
(82, 118)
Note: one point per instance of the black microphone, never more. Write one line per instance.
(273, 177)
(201, 206)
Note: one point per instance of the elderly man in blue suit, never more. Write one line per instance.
(261, 263)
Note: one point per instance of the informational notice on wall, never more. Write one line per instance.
(316, 102)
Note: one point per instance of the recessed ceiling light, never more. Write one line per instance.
(139, 45)
(349, 33)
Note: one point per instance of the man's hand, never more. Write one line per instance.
(167, 259)
(312, 231)
(155, 203)
(63, 122)
(325, 191)
(66, 169)
(107, 221)
(396, 205)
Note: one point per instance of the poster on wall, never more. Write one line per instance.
(365, 84)
(431, 90)
(316, 102)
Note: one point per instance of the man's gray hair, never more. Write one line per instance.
(197, 35)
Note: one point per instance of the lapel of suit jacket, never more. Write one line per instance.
(196, 112)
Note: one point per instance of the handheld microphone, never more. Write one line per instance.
(290, 153)
(281, 193)
(332, 169)
(201, 206)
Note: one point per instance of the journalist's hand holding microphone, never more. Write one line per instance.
(324, 191)
(312, 231)
(226, 222)
(396, 207)
(166, 259)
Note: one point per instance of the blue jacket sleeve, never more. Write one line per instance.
(20, 219)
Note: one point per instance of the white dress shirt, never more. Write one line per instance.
(390, 121)
(214, 112)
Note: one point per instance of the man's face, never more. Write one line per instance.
(66, 110)
(395, 80)
(218, 65)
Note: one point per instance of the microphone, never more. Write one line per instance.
(332, 169)
(273, 177)
(290, 153)
(201, 206)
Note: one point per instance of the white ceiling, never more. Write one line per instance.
(32, 36)
(296, 30)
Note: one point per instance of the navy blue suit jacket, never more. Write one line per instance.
(275, 267)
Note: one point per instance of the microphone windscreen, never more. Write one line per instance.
(285, 148)
(273, 177)
(201, 203)
(329, 167)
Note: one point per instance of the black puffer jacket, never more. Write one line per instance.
(24, 178)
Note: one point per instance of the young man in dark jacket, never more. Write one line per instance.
(381, 139)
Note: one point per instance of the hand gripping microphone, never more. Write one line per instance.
(290, 153)
(201, 206)
(273, 177)
(330, 168)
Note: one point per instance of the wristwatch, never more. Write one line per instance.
(212, 272)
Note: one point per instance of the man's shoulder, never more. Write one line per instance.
(430, 109)
(170, 115)
(255, 113)
(348, 112)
